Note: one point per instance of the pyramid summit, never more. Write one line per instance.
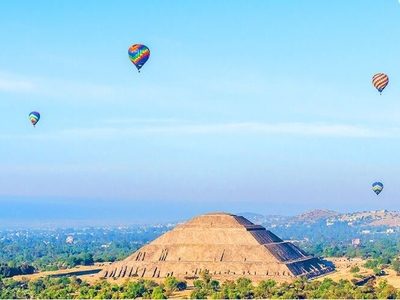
(226, 245)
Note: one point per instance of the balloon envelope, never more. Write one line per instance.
(34, 117)
(138, 54)
(377, 187)
(380, 81)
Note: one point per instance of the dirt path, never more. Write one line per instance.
(79, 271)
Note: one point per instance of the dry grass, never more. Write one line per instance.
(60, 272)
(343, 266)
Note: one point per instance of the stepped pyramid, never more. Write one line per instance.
(226, 245)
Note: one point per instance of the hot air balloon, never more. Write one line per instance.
(138, 54)
(377, 187)
(34, 117)
(380, 81)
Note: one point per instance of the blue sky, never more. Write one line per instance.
(263, 106)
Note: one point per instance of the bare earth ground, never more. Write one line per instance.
(73, 271)
(343, 266)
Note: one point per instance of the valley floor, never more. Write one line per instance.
(343, 266)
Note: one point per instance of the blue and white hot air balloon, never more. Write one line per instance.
(34, 117)
(377, 187)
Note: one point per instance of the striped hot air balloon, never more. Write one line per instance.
(380, 81)
(34, 117)
(138, 54)
(377, 187)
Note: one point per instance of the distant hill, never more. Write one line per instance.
(315, 215)
(369, 218)
(327, 226)
(363, 218)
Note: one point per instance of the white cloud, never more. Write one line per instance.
(302, 129)
(117, 128)
(125, 129)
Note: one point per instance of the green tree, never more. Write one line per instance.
(170, 285)
(198, 294)
(158, 293)
(86, 259)
(36, 286)
(371, 263)
(385, 290)
(396, 266)
(214, 285)
(265, 289)
(377, 271)
(135, 289)
(228, 290)
(354, 269)
(244, 288)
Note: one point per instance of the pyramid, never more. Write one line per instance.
(226, 245)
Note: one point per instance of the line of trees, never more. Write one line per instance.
(301, 288)
(47, 249)
(205, 287)
(73, 287)
(9, 271)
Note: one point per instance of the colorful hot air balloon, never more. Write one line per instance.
(380, 81)
(377, 187)
(34, 117)
(138, 54)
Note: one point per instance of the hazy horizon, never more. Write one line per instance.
(261, 106)
(23, 213)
